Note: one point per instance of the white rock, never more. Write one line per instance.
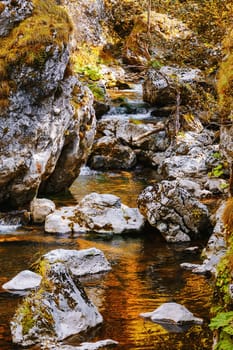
(172, 313)
(23, 281)
(80, 262)
(83, 346)
(102, 213)
(40, 208)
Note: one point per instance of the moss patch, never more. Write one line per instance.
(222, 321)
(225, 80)
(31, 42)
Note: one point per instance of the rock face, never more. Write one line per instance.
(163, 31)
(100, 213)
(216, 246)
(120, 143)
(13, 13)
(173, 211)
(87, 18)
(57, 310)
(161, 86)
(42, 104)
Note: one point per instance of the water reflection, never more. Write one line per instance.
(145, 273)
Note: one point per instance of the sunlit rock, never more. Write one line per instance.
(172, 313)
(12, 13)
(47, 116)
(176, 214)
(58, 309)
(23, 281)
(79, 262)
(193, 156)
(164, 30)
(216, 246)
(40, 208)
(101, 213)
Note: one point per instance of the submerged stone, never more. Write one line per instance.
(172, 313)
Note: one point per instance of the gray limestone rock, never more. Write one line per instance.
(171, 209)
(40, 208)
(48, 125)
(100, 213)
(79, 262)
(58, 309)
(13, 13)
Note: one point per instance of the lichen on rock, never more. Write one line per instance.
(42, 104)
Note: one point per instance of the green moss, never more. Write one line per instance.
(28, 43)
(98, 91)
(48, 24)
(26, 315)
(222, 321)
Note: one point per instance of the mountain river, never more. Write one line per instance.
(145, 273)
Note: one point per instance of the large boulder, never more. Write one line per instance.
(58, 309)
(174, 212)
(47, 118)
(100, 213)
(78, 262)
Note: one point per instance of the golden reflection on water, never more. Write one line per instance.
(123, 184)
(130, 289)
(145, 273)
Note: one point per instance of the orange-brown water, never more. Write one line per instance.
(145, 273)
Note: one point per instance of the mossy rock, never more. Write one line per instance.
(31, 42)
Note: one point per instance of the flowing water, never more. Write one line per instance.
(145, 273)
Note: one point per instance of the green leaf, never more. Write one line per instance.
(222, 320)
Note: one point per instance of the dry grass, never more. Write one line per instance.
(227, 217)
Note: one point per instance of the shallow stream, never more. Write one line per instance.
(145, 273)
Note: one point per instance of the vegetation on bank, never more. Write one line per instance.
(31, 42)
(225, 79)
(222, 321)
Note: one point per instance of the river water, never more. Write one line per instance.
(145, 273)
